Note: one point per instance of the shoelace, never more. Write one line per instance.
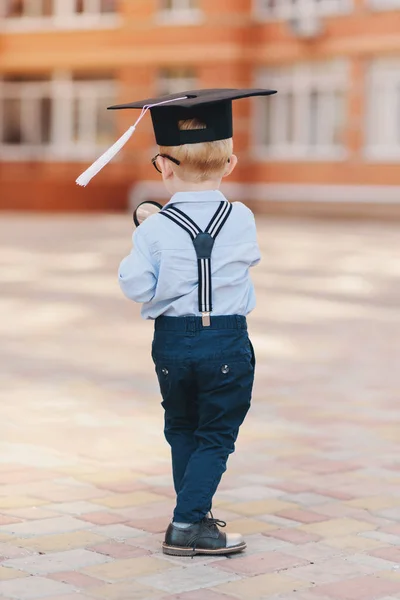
(213, 521)
(210, 523)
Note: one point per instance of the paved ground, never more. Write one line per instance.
(84, 471)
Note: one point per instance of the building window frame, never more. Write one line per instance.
(384, 5)
(174, 80)
(65, 94)
(282, 10)
(383, 100)
(180, 12)
(64, 16)
(310, 136)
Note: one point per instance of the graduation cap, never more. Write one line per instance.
(213, 107)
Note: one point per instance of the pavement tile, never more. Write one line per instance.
(337, 527)
(39, 587)
(248, 526)
(294, 536)
(119, 550)
(61, 493)
(116, 532)
(156, 525)
(59, 561)
(353, 543)
(391, 553)
(151, 542)
(260, 507)
(333, 493)
(359, 588)
(182, 561)
(129, 590)
(24, 476)
(266, 562)
(105, 476)
(104, 518)
(19, 502)
(306, 499)
(393, 574)
(127, 568)
(76, 579)
(375, 503)
(81, 507)
(60, 542)
(339, 509)
(46, 526)
(202, 594)
(391, 513)
(385, 538)
(187, 579)
(279, 522)
(314, 551)
(291, 487)
(128, 500)
(150, 511)
(376, 563)
(10, 551)
(71, 597)
(250, 589)
(392, 529)
(303, 516)
(9, 573)
(250, 493)
(34, 513)
(123, 487)
(5, 520)
(334, 569)
(303, 595)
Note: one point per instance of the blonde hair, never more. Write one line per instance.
(199, 162)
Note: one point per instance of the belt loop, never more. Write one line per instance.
(191, 324)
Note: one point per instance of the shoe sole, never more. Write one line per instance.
(179, 551)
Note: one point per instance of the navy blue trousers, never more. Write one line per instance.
(206, 377)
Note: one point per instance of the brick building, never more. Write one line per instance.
(330, 140)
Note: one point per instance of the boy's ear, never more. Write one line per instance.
(231, 165)
(165, 166)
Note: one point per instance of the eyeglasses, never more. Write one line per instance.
(171, 158)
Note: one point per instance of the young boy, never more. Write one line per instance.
(190, 269)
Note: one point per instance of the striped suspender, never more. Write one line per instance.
(203, 243)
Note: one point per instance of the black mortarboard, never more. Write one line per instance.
(213, 107)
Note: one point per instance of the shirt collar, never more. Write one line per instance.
(204, 196)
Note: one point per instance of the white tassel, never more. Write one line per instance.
(105, 158)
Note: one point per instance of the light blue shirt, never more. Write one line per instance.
(161, 271)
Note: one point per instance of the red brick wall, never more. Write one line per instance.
(225, 50)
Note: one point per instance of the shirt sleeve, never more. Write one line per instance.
(138, 271)
(255, 257)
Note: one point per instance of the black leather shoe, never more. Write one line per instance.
(202, 538)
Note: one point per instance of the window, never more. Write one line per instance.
(94, 7)
(27, 8)
(184, 11)
(176, 80)
(383, 110)
(385, 4)
(286, 9)
(63, 117)
(31, 14)
(307, 118)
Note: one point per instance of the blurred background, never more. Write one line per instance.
(83, 462)
(328, 144)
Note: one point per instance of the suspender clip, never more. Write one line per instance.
(206, 319)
